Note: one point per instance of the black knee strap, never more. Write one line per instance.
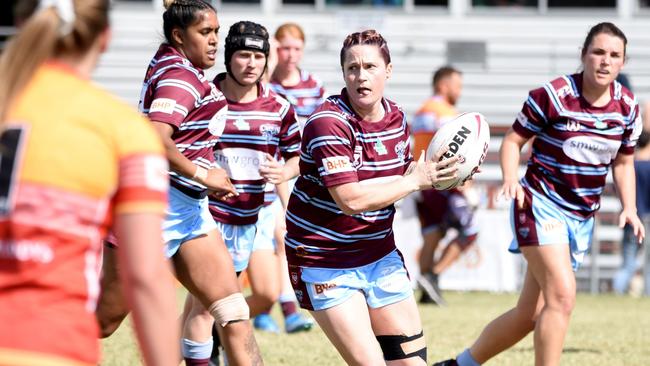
(399, 347)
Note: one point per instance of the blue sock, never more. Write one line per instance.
(196, 350)
(466, 359)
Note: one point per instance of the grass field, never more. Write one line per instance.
(604, 330)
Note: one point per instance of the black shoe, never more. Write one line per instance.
(429, 284)
(450, 362)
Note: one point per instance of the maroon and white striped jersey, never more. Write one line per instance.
(339, 148)
(575, 142)
(266, 125)
(177, 93)
(305, 96)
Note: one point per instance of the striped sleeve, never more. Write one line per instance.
(534, 114)
(290, 134)
(142, 176)
(328, 141)
(176, 93)
(632, 130)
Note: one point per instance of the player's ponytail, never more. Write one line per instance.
(58, 28)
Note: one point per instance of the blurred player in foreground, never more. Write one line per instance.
(69, 166)
(583, 124)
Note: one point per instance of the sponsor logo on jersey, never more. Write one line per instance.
(298, 295)
(163, 105)
(320, 288)
(600, 125)
(456, 142)
(551, 225)
(240, 163)
(590, 150)
(337, 164)
(26, 250)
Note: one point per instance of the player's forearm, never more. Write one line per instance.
(354, 198)
(509, 156)
(624, 179)
(291, 168)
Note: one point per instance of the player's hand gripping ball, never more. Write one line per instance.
(468, 137)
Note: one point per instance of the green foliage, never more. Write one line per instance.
(604, 330)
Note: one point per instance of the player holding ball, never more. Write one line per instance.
(583, 124)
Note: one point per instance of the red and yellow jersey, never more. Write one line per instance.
(72, 156)
(434, 113)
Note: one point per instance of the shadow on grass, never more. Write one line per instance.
(566, 350)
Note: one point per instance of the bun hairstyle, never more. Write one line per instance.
(182, 14)
(366, 37)
(58, 28)
(245, 35)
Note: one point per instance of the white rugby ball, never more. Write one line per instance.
(468, 137)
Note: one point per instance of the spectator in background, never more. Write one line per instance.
(439, 211)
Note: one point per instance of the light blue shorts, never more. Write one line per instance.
(239, 241)
(542, 222)
(265, 238)
(383, 282)
(186, 218)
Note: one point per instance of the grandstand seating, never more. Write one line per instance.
(523, 51)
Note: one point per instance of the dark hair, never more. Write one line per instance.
(181, 14)
(443, 73)
(367, 37)
(46, 34)
(604, 27)
(245, 35)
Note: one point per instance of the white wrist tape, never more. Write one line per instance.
(232, 308)
(201, 174)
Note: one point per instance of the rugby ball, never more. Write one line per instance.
(468, 137)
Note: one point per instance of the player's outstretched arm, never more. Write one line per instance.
(148, 285)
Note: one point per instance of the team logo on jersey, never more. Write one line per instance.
(400, 150)
(524, 231)
(294, 277)
(242, 125)
(269, 131)
(218, 122)
(358, 157)
(298, 295)
(522, 218)
(162, 105)
(572, 125)
(380, 148)
(337, 164)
